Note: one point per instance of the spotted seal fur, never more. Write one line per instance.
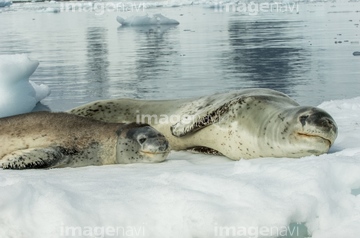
(48, 140)
(248, 123)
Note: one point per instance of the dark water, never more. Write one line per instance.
(85, 57)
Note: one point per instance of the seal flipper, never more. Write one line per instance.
(35, 158)
(204, 150)
(207, 115)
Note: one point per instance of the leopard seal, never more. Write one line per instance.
(249, 123)
(54, 140)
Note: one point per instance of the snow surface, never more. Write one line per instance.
(193, 195)
(156, 19)
(17, 93)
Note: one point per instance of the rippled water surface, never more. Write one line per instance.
(85, 57)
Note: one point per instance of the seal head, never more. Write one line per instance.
(140, 143)
(297, 131)
(314, 128)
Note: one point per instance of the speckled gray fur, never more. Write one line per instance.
(248, 123)
(55, 140)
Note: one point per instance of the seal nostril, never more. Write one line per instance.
(164, 147)
(330, 122)
(327, 122)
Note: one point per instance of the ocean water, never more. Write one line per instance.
(304, 50)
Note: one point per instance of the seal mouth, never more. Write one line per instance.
(151, 153)
(315, 136)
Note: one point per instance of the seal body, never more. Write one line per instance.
(45, 140)
(239, 124)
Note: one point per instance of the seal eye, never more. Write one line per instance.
(142, 140)
(303, 119)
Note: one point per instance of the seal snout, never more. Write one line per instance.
(326, 122)
(164, 145)
(156, 143)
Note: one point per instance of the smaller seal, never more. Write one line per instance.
(56, 140)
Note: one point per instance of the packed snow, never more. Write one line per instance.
(156, 19)
(193, 195)
(18, 94)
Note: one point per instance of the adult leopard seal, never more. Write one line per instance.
(248, 123)
(45, 140)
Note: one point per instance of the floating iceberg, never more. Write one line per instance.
(18, 94)
(5, 3)
(156, 19)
